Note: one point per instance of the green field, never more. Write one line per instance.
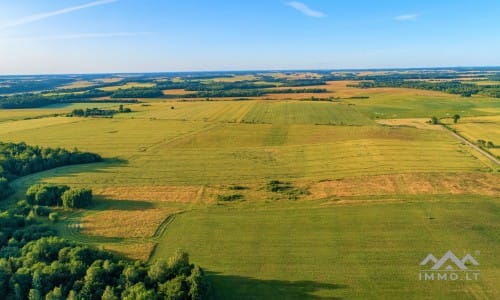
(363, 202)
(481, 128)
(317, 251)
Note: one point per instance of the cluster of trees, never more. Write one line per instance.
(35, 264)
(77, 198)
(451, 87)
(58, 195)
(486, 144)
(18, 226)
(20, 159)
(490, 90)
(137, 92)
(96, 112)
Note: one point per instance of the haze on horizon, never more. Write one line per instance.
(108, 36)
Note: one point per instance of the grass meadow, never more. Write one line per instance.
(332, 251)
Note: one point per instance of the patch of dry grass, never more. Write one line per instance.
(182, 194)
(124, 223)
(409, 184)
(175, 92)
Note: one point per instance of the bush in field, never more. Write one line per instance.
(276, 186)
(77, 198)
(228, 198)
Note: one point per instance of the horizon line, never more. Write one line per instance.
(260, 70)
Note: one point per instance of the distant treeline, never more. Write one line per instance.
(20, 159)
(197, 86)
(285, 82)
(11, 86)
(451, 87)
(226, 93)
(296, 91)
(39, 100)
(238, 89)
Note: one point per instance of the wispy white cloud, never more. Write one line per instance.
(78, 36)
(41, 16)
(408, 17)
(306, 10)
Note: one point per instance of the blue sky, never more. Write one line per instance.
(88, 36)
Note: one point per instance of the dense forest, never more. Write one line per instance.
(35, 264)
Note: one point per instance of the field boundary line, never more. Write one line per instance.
(472, 145)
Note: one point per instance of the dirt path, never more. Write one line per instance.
(486, 154)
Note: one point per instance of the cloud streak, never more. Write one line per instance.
(408, 17)
(78, 36)
(42, 16)
(306, 10)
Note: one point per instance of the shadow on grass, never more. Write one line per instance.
(241, 288)
(101, 203)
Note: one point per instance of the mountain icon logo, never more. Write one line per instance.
(449, 262)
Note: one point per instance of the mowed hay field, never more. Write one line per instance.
(152, 149)
(366, 203)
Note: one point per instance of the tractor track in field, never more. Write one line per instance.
(174, 139)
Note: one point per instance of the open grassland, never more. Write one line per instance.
(21, 114)
(486, 82)
(78, 84)
(363, 251)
